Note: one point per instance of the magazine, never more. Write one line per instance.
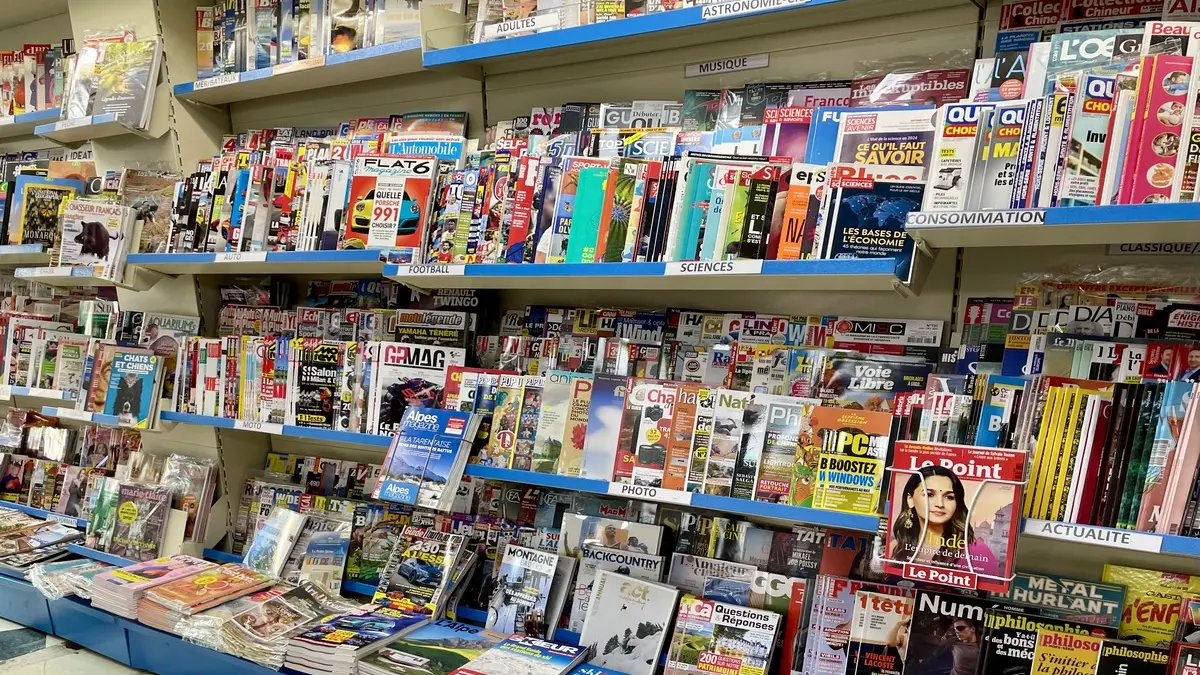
(208, 588)
(990, 482)
(163, 334)
(1087, 602)
(854, 449)
(929, 640)
(597, 558)
(133, 387)
(628, 626)
(1155, 596)
(518, 604)
(436, 648)
(525, 655)
(580, 530)
(719, 580)
(140, 521)
(426, 458)
(878, 642)
(1009, 638)
(417, 574)
(407, 375)
(1064, 653)
(741, 639)
(126, 77)
(273, 542)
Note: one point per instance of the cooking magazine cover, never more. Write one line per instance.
(952, 514)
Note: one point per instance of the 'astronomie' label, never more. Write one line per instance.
(725, 9)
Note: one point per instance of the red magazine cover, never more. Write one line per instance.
(951, 518)
(388, 204)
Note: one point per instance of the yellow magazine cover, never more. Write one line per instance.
(503, 439)
(571, 459)
(1062, 447)
(1059, 653)
(1054, 444)
(1054, 398)
(1152, 601)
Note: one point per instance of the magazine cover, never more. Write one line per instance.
(1118, 657)
(1087, 602)
(1152, 601)
(1061, 653)
(149, 194)
(131, 387)
(376, 528)
(273, 542)
(357, 630)
(854, 448)
(597, 558)
(388, 204)
(151, 573)
(36, 201)
(580, 530)
(711, 579)
(946, 634)
(879, 633)
(518, 604)
(418, 572)
(895, 143)
(526, 655)
(1009, 638)
(209, 588)
(425, 459)
(436, 648)
(407, 375)
(126, 76)
(141, 521)
(831, 617)
(866, 217)
(628, 626)
(739, 640)
(163, 334)
(552, 421)
(952, 517)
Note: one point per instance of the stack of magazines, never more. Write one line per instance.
(41, 541)
(117, 591)
(164, 606)
(336, 645)
(260, 631)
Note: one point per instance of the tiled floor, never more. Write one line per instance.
(54, 657)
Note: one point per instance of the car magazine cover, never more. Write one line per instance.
(407, 375)
(952, 514)
(418, 572)
(526, 655)
(853, 450)
(717, 637)
(597, 558)
(518, 604)
(945, 635)
(376, 527)
(436, 648)
(388, 204)
(1009, 638)
(1087, 602)
(879, 633)
(425, 460)
(580, 530)
(628, 626)
(318, 377)
(141, 521)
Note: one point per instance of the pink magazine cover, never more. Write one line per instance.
(150, 573)
(786, 132)
(1183, 472)
(1132, 164)
(1162, 120)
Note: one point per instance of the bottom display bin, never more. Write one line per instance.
(21, 603)
(166, 654)
(77, 621)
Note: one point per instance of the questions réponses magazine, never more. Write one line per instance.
(717, 637)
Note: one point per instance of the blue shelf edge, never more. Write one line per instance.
(332, 257)
(327, 435)
(94, 120)
(609, 30)
(358, 588)
(42, 513)
(1122, 213)
(1167, 543)
(855, 266)
(99, 555)
(21, 249)
(221, 556)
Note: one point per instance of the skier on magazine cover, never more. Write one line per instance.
(939, 510)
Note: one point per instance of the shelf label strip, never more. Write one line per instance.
(241, 256)
(714, 267)
(261, 427)
(650, 494)
(1089, 534)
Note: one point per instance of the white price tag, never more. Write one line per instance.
(433, 270)
(7, 119)
(715, 267)
(261, 427)
(63, 519)
(5, 392)
(216, 81)
(63, 125)
(721, 10)
(519, 26)
(1089, 534)
(73, 414)
(45, 393)
(242, 256)
(650, 494)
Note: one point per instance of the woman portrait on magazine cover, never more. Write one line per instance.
(934, 502)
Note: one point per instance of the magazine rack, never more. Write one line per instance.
(638, 58)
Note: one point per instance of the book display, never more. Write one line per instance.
(438, 338)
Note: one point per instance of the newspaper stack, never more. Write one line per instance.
(260, 631)
(336, 645)
(117, 591)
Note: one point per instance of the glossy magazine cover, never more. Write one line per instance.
(420, 462)
(952, 518)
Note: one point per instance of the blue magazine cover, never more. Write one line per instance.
(866, 220)
(437, 647)
(604, 426)
(823, 131)
(525, 655)
(131, 390)
(422, 461)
